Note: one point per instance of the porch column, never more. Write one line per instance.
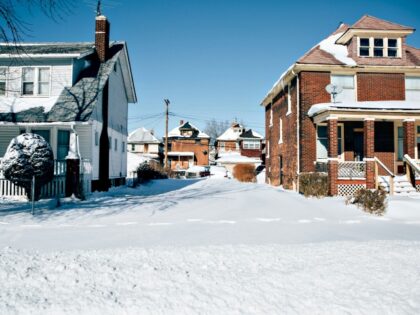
(369, 151)
(409, 138)
(332, 156)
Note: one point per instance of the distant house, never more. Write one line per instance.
(364, 128)
(239, 146)
(55, 89)
(187, 146)
(144, 143)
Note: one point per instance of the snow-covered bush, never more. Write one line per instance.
(244, 173)
(29, 155)
(313, 184)
(147, 172)
(370, 200)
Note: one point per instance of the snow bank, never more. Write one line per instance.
(329, 278)
(372, 105)
(133, 161)
(338, 51)
(236, 157)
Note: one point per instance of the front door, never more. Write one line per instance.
(358, 146)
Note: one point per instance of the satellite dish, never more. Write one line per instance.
(333, 90)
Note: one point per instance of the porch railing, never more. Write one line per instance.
(378, 163)
(412, 167)
(350, 169)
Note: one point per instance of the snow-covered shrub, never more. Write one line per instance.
(147, 172)
(244, 173)
(313, 184)
(370, 200)
(29, 155)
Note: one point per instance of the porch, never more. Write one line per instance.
(368, 148)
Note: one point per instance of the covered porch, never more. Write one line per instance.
(368, 145)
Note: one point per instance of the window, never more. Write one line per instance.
(96, 138)
(123, 147)
(347, 83)
(322, 141)
(133, 147)
(251, 145)
(43, 133)
(222, 146)
(115, 144)
(267, 147)
(271, 117)
(63, 142)
(3, 81)
(412, 88)
(289, 100)
(364, 47)
(400, 143)
(28, 81)
(392, 47)
(378, 48)
(280, 131)
(36, 81)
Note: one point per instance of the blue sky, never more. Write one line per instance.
(213, 58)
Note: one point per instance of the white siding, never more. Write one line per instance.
(61, 77)
(346, 82)
(7, 133)
(96, 127)
(85, 141)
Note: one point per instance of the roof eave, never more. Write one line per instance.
(349, 33)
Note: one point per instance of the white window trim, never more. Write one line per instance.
(271, 117)
(256, 145)
(384, 47)
(289, 100)
(36, 81)
(406, 89)
(280, 131)
(267, 147)
(340, 156)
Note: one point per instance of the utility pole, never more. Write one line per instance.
(166, 133)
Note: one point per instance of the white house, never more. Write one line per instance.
(53, 89)
(143, 142)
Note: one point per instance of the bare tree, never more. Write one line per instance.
(13, 26)
(215, 128)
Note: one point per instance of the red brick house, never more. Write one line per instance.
(368, 135)
(187, 146)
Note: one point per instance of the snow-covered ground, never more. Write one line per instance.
(208, 246)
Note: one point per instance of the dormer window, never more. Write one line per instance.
(392, 47)
(379, 47)
(364, 47)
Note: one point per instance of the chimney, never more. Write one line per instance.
(181, 122)
(152, 132)
(102, 37)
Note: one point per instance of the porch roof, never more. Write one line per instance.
(371, 109)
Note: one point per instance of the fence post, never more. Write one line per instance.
(72, 177)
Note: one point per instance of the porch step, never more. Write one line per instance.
(401, 185)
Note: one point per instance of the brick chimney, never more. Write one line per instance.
(102, 37)
(181, 122)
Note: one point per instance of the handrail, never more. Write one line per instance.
(392, 175)
(412, 163)
(384, 167)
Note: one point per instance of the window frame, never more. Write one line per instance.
(385, 47)
(289, 100)
(280, 131)
(339, 155)
(251, 145)
(411, 89)
(36, 81)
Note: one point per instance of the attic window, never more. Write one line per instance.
(392, 47)
(364, 47)
(378, 49)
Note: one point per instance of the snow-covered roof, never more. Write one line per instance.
(178, 153)
(371, 105)
(236, 157)
(46, 49)
(251, 134)
(142, 135)
(232, 133)
(176, 132)
(339, 52)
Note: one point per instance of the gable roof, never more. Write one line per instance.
(176, 132)
(48, 50)
(142, 135)
(232, 133)
(373, 23)
(251, 134)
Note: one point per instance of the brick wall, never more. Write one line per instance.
(312, 91)
(229, 146)
(190, 145)
(287, 149)
(380, 86)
